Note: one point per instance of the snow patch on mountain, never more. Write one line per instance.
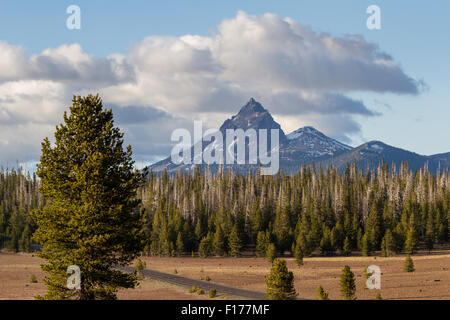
(314, 142)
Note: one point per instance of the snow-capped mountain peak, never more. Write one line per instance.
(312, 141)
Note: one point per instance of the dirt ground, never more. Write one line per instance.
(431, 280)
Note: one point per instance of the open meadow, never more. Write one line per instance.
(431, 280)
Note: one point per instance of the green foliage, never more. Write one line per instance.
(19, 196)
(33, 279)
(200, 291)
(90, 217)
(388, 246)
(347, 284)
(139, 268)
(378, 296)
(234, 242)
(280, 282)
(366, 248)
(408, 265)
(271, 252)
(207, 278)
(219, 242)
(193, 289)
(298, 255)
(262, 243)
(180, 244)
(411, 241)
(205, 248)
(321, 294)
(347, 249)
(212, 293)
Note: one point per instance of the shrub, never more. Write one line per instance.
(280, 282)
(212, 293)
(200, 291)
(321, 294)
(271, 252)
(193, 289)
(408, 266)
(139, 267)
(33, 279)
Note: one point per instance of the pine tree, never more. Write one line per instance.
(347, 247)
(271, 252)
(429, 233)
(388, 244)
(205, 249)
(280, 282)
(261, 244)
(366, 245)
(180, 244)
(235, 243)
(219, 242)
(321, 294)
(89, 220)
(347, 284)
(408, 265)
(411, 241)
(298, 255)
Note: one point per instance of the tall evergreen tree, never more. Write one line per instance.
(235, 242)
(280, 282)
(408, 265)
(412, 241)
(90, 218)
(347, 284)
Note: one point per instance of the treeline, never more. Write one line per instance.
(315, 210)
(19, 195)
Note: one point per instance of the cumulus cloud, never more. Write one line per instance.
(67, 64)
(300, 75)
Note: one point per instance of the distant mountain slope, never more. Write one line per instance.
(370, 155)
(307, 145)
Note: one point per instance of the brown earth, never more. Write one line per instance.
(431, 280)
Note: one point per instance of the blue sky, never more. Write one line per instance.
(414, 33)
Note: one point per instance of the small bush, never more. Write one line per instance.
(175, 271)
(207, 278)
(408, 266)
(139, 267)
(200, 291)
(33, 279)
(322, 294)
(212, 293)
(378, 297)
(193, 289)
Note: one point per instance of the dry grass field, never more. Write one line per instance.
(431, 280)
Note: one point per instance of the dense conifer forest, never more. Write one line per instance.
(321, 211)
(316, 210)
(19, 195)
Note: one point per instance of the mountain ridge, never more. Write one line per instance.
(307, 145)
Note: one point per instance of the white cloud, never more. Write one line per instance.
(300, 75)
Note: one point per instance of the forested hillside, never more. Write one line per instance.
(319, 210)
(324, 210)
(18, 196)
